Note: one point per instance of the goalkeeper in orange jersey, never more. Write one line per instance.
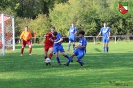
(26, 39)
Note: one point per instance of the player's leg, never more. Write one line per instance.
(46, 48)
(104, 45)
(45, 54)
(69, 44)
(56, 54)
(107, 42)
(79, 57)
(71, 57)
(74, 40)
(51, 52)
(30, 47)
(107, 47)
(23, 45)
(61, 49)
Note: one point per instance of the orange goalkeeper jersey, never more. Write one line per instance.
(26, 35)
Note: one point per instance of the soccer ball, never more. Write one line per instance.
(47, 60)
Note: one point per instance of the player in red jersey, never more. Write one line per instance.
(48, 44)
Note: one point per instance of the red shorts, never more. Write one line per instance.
(46, 47)
(26, 42)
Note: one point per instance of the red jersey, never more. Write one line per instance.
(49, 40)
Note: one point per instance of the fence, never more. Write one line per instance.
(40, 40)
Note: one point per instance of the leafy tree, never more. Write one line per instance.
(40, 25)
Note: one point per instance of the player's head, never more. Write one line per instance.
(81, 33)
(72, 24)
(52, 29)
(55, 33)
(104, 24)
(26, 28)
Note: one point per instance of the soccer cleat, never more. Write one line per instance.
(21, 55)
(66, 64)
(59, 63)
(81, 64)
(30, 54)
(47, 64)
(71, 60)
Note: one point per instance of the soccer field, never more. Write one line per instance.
(101, 70)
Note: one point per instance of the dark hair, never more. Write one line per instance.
(82, 32)
(55, 33)
(26, 26)
(52, 27)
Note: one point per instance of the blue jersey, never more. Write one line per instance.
(58, 37)
(72, 31)
(82, 42)
(105, 32)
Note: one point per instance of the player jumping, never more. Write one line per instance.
(58, 47)
(105, 31)
(26, 39)
(80, 49)
(48, 44)
(72, 36)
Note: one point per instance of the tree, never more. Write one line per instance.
(40, 25)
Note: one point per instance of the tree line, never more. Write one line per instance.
(88, 15)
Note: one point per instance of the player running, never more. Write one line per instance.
(105, 31)
(72, 36)
(26, 39)
(58, 47)
(80, 49)
(48, 44)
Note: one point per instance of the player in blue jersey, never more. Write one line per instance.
(58, 47)
(80, 49)
(105, 31)
(72, 36)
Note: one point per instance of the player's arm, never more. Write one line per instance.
(61, 39)
(75, 31)
(21, 36)
(98, 34)
(83, 46)
(109, 34)
(46, 35)
(80, 46)
(30, 35)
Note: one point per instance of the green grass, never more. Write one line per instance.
(101, 70)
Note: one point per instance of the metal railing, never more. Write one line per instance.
(40, 40)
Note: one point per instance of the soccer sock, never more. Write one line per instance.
(104, 49)
(50, 55)
(58, 60)
(66, 56)
(73, 46)
(107, 49)
(69, 45)
(80, 61)
(22, 50)
(45, 57)
(69, 59)
(30, 50)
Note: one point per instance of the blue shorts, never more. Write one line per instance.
(72, 39)
(105, 40)
(58, 48)
(79, 53)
